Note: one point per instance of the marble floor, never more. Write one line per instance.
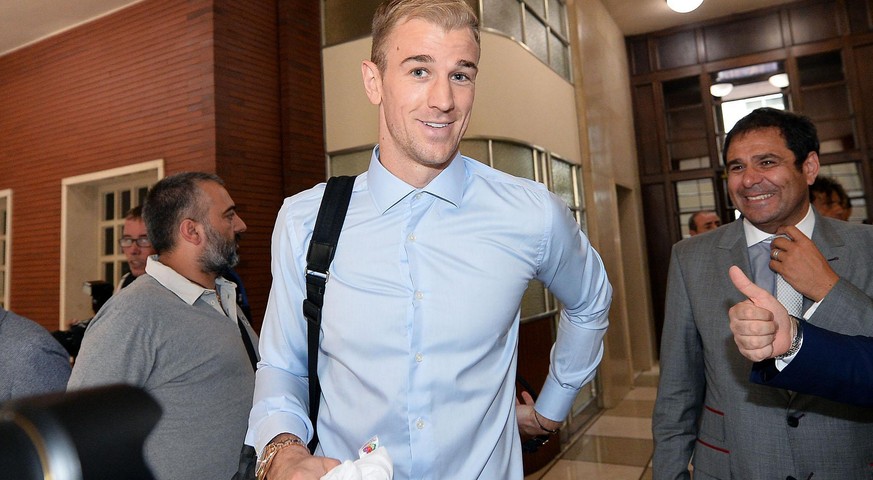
(617, 445)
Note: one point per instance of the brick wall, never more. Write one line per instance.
(195, 83)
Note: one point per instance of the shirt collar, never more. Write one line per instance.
(185, 289)
(387, 189)
(755, 236)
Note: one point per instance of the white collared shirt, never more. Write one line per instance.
(189, 291)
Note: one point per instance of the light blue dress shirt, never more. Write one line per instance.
(421, 319)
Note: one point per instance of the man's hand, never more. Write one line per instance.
(802, 265)
(295, 463)
(761, 326)
(527, 423)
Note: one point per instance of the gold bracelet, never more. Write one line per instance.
(270, 452)
(537, 418)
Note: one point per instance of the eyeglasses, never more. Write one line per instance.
(126, 242)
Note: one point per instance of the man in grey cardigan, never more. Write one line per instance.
(177, 333)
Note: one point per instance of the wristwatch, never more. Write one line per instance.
(796, 341)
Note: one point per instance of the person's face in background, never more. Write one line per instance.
(830, 206)
(705, 222)
(764, 182)
(135, 230)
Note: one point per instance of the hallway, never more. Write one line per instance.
(618, 444)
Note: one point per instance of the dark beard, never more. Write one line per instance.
(220, 254)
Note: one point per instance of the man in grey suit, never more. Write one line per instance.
(707, 411)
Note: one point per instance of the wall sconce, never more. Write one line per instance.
(683, 6)
(720, 89)
(780, 80)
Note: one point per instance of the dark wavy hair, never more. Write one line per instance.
(172, 200)
(798, 131)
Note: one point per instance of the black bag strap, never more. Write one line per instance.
(322, 247)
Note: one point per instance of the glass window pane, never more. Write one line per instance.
(538, 6)
(504, 16)
(559, 55)
(514, 159)
(536, 37)
(125, 203)
(108, 241)
(562, 182)
(694, 195)
(557, 10)
(109, 206)
(109, 272)
(475, 149)
(141, 195)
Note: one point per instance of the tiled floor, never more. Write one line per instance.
(617, 446)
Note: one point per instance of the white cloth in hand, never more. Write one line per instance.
(374, 464)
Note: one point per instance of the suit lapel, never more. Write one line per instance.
(733, 242)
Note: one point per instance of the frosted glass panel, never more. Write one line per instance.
(475, 149)
(514, 159)
(536, 36)
(562, 182)
(504, 16)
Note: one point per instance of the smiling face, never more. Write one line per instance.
(764, 182)
(425, 97)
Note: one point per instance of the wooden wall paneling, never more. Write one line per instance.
(248, 131)
(814, 22)
(744, 36)
(646, 127)
(638, 55)
(659, 242)
(863, 99)
(860, 16)
(130, 87)
(302, 116)
(677, 49)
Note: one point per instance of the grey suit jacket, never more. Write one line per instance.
(706, 405)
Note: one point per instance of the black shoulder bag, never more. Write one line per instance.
(322, 247)
(328, 224)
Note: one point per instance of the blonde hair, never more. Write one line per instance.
(448, 14)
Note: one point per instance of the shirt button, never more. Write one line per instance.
(411, 237)
(419, 295)
(419, 357)
(418, 196)
(419, 424)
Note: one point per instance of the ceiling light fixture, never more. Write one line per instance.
(780, 80)
(683, 6)
(720, 89)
